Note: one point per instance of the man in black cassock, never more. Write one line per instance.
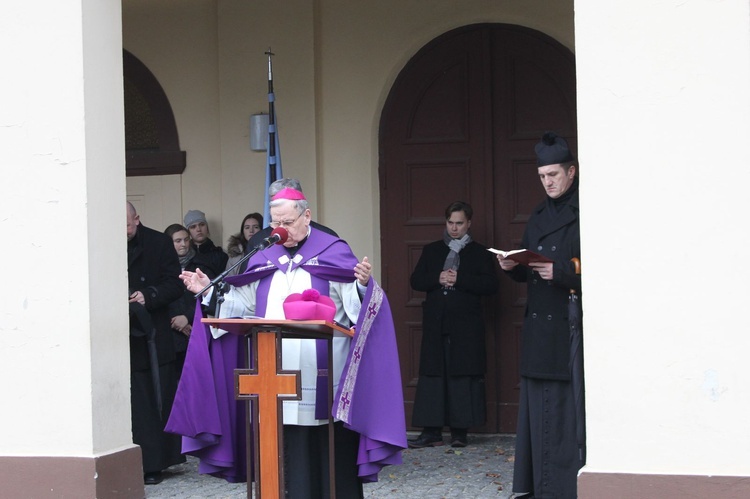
(455, 273)
(548, 455)
(153, 281)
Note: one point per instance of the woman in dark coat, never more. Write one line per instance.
(182, 310)
(237, 243)
(455, 272)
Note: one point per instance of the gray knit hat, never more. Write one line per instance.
(193, 217)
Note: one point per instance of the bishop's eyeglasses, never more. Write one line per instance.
(285, 223)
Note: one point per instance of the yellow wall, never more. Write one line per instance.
(178, 42)
(334, 66)
(362, 46)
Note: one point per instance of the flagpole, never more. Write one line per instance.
(271, 117)
(273, 157)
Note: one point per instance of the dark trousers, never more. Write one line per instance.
(306, 462)
(454, 401)
(160, 450)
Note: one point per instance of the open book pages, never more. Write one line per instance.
(522, 256)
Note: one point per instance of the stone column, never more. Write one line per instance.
(64, 367)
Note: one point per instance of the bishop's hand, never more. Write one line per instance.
(195, 281)
(362, 271)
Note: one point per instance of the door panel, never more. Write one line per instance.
(460, 123)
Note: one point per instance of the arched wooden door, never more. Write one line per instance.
(460, 123)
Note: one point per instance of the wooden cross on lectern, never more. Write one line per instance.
(270, 385)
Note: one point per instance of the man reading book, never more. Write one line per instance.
(547, 451)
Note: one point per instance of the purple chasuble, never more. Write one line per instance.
(370, 399)
(205, 412)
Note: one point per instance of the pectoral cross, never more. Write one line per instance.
(270, 385)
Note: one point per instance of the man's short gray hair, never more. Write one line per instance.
(282, 183)
(299, 204)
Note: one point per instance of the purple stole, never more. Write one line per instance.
(212, 423)
(370, 399)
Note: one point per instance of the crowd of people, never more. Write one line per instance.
(200, 416)
(161, 322)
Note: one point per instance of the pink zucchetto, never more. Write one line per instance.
(288, 193)
(309, 305)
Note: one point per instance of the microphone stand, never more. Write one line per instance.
(221, 285)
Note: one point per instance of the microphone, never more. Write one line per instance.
(279, 235)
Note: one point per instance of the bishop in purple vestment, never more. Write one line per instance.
(366, 374)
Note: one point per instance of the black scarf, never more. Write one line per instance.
(555, 205)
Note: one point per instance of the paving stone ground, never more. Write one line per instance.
(483, 469)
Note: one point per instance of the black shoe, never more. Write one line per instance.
(152, 478)
(458, 437)
(459, 441)
(426, 440)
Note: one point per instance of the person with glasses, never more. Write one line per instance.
(309, 259)
(273, 189)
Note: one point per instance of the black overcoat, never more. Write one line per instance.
(455, 312)
(154, 269)
(213, 254)
(545, 340)
(185, 304)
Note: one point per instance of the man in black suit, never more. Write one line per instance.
(153, 281)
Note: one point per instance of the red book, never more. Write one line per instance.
(522, 256)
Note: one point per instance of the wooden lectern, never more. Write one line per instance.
(263, 380)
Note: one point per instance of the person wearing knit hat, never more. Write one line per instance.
(548, 450)
(195, 221)
(193, 217)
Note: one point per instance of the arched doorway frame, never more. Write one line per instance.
(519, 185)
